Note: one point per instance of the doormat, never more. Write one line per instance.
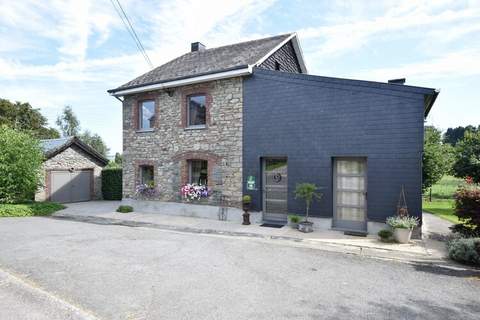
(355, 233)
(272, 225)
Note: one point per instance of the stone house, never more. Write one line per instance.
(72, 171)
(248, 119)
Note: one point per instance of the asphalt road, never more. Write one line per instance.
(53, 269)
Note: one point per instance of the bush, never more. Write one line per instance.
(125, 209)
(294, 219)
(467, 208)
(465, 250)
(20, 165)
(385, 234)
(112, 183)
(247, 199)
(402, 222)
(29, 209)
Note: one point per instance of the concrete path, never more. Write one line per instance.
(117, 272)
(103, 212)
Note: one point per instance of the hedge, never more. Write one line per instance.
(112, 184)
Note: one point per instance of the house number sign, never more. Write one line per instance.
(277, 177)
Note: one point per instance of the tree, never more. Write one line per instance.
(436, 157)
(22, 116)
(95, 141)
(20, 165)
(454, 135)
(118, 159)
(467, 162)
(307, 192)
(68, 122)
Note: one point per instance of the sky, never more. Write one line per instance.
(57, 53)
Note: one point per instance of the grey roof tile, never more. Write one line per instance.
(208, 61)
(50, 145)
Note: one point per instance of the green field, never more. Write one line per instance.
(442, 198)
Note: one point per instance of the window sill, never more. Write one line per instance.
(201, 127)
(145, 130)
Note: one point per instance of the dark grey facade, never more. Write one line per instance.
(286, 59)
(311, 120)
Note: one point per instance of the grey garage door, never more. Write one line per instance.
(70, 186)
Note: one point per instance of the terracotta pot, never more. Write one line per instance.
(402, 235)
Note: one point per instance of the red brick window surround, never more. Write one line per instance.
(145, 113)
(195, 95)
(186, 158)
(140, 166)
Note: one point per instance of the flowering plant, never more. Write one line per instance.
(193, 191)
(146, 190)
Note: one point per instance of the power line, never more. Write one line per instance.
(128, 25)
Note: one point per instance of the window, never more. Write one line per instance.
(146, 115)
(146, 175)
(198, 172)
(196, 113)
(277, 65)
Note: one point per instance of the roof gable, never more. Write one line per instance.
(243, 55)
(52, 147)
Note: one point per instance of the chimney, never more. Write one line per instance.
(397, 81)
(197, 46)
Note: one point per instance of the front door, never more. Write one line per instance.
(275, 189)
(350, 194)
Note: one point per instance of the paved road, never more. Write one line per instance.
(116, 272)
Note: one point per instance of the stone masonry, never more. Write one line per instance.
(71, 158)
(170, 144)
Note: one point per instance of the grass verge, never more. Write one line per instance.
(441, 208)
(29, 209)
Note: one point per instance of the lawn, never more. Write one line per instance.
(29, 209)
(442, 198)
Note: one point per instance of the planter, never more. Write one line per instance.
(402, 235)
(246, 218)
(246, 206)
(305, 226)
(294, 225)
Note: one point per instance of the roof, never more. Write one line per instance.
(52, 147)
(238, 56)
(430, 94)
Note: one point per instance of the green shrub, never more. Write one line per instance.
(112, 183)
(125, 209)
(465, 250)
(402, 222)
(294, 219)
(20, 165)
(29, 209)
(385, 234)
(247, 199)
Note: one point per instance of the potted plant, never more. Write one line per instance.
(385, 235)
(307, 192)
(246, 201)
(294, 220)
(402, 227)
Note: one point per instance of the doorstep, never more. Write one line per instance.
(330, 240)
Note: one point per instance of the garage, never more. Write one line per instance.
(72, 171)
(71, 185)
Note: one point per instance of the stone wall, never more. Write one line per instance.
(169, 145)
(76, 158)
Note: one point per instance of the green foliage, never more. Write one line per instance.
(20, 165)
(247, 199)
(294, 219)
(125, 209)
(385, 234)
(94, 141)
(23, 117)
(441, 208)
(467, 207)
(307, 192)
(118, 159)
(29, 209)
(453, 135)
(398, 222)
(68, 122)
(112, 183)
(437, 157)
(465, 250)
(467, 162)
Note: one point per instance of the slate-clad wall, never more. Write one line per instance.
(286, 57)
(311, 121)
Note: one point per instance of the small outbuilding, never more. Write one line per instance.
(72, 171)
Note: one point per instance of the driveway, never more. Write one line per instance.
(118, 272)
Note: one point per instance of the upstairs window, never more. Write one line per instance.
(198, 172)
(196, 113)
(277, 65)
(146, 115)
(146, 175)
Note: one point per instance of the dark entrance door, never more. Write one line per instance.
(275, 189)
